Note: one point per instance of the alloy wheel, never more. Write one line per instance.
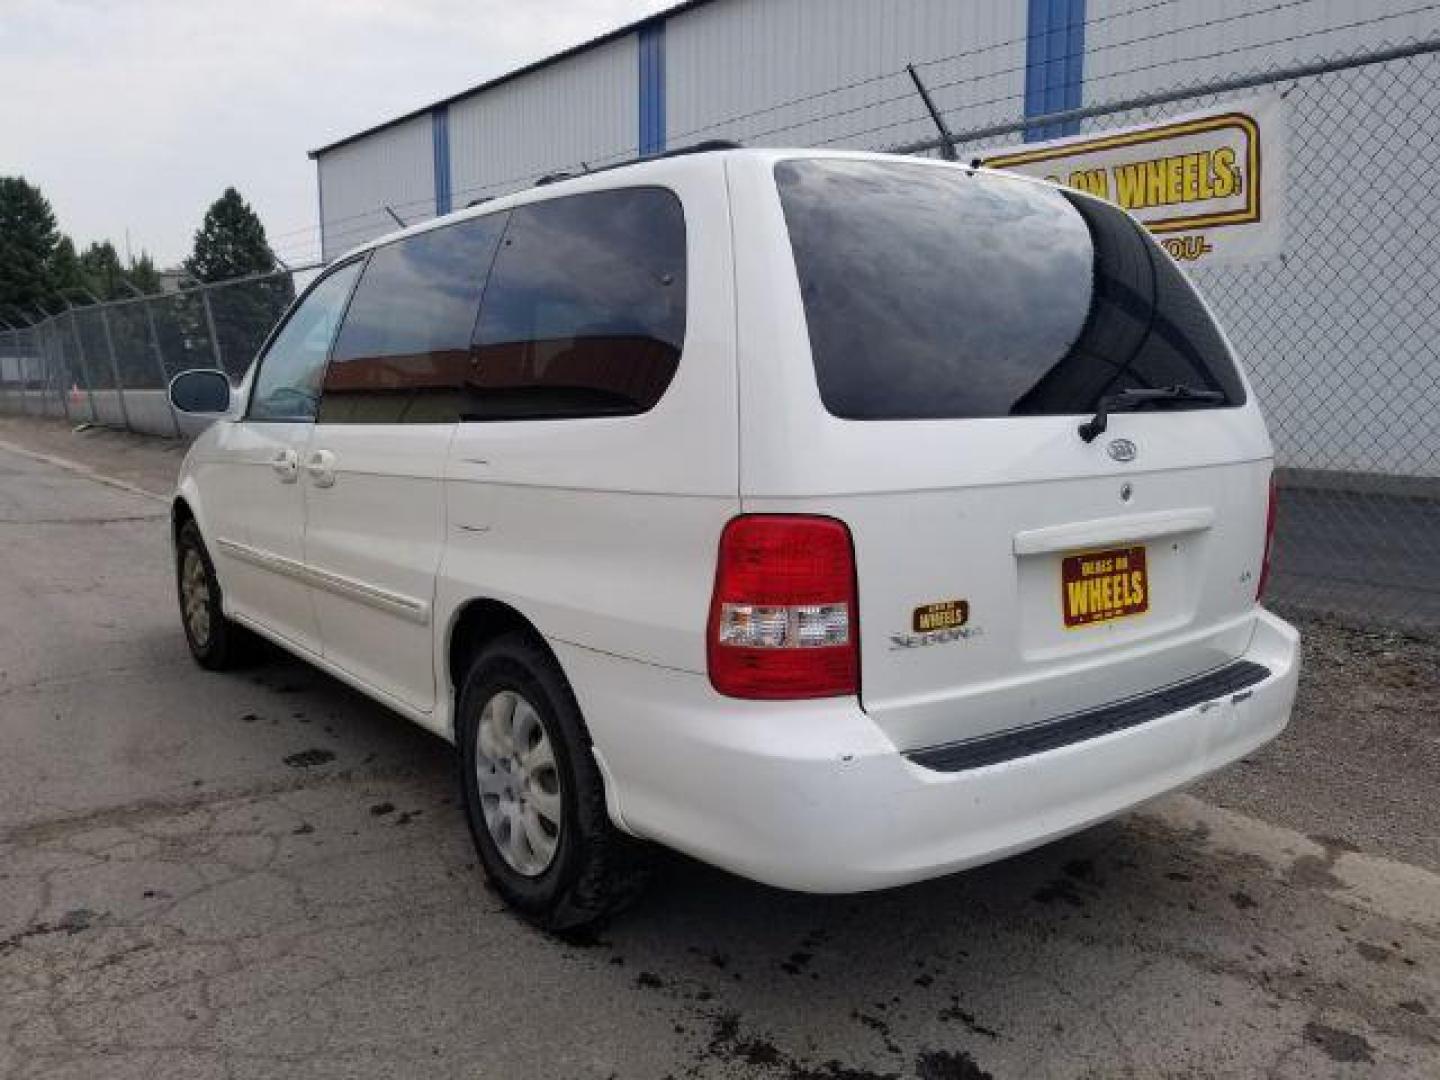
(519, 783)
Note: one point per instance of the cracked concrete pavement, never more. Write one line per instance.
(264, 875)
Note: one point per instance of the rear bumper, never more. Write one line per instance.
(812, 796)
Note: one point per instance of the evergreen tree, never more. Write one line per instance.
(28, 238)
(230, 242)
(143, 275)
(65, 272)
(103, 271)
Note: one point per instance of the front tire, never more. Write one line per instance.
(533, 793)
(215, 642)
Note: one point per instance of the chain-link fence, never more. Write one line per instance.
(1339, 334)
(110, 363)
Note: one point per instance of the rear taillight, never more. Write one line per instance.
(783, 619)
(1269, 543)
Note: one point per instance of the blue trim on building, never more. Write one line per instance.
(651, 43)
(440, 138)
(1054, 64)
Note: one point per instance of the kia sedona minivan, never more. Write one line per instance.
(839, 519)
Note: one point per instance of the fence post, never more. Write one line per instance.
(115, 368)
(4, 368)
(210, 323)
(84, 366)
(16, 363)
(26, 365)
(160, 364)
(56, 350)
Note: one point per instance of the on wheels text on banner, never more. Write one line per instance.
(1208, 184)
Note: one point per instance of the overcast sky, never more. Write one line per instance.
(136, 114)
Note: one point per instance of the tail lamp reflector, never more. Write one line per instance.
(783, 619)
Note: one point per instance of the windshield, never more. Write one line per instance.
(943, 294)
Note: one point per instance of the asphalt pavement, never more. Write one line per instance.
(262, 874)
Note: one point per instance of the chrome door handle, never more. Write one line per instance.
(286, 464)
(321, 468)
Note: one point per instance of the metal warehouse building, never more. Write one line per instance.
(1337, 322)
(810, 73)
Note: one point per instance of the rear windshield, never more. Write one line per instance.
(941, 294)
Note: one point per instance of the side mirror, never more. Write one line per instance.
(202, 391)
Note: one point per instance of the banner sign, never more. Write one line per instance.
(1208, 184)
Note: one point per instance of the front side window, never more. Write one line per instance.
(287, 386)
(584, 313)
(403, 354)
(940, 294)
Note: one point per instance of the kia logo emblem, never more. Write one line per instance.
(1121, 450)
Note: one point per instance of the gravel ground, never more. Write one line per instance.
(1359, 763)
(262, 875)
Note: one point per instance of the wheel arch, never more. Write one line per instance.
(483, 619)
(477, 622)
(180, 513)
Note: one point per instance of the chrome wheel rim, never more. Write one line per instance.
(519, 783)
(195, 597)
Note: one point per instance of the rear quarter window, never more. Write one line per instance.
(936, 293)
(584, 314)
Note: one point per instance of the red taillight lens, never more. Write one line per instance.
(1269, 543)
(783, 619)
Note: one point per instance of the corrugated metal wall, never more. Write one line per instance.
(392, 167)
(1133, 47)
(584, 108)
(824, 72)
(766, 72)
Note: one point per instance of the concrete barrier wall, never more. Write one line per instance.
(148, 410)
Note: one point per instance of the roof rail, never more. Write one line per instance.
(709, 146)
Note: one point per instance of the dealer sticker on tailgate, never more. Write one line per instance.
(1099, 586)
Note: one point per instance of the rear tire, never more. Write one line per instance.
(533, 794)
(215, 642)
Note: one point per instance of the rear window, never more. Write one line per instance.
(941, 294)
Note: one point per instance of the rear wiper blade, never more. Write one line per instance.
(1134, 399)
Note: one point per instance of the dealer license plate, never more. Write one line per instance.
(1101, 586)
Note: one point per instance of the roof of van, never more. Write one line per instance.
(702, 156)
(516, 73)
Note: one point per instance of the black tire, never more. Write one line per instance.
(220, 644)
(596, 870)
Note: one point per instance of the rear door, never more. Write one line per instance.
(926, 368)
(374, 471)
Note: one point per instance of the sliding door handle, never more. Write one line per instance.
(321, 468)
(286, 464)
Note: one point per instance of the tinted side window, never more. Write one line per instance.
(404, 349)
(287, 386)
(584, 314)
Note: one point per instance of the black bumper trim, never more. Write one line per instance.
(1078, 727)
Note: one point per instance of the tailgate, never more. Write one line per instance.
(918, 355)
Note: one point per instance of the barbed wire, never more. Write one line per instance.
(365, 223)
(425, 203)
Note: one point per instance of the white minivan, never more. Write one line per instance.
(839, 519)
